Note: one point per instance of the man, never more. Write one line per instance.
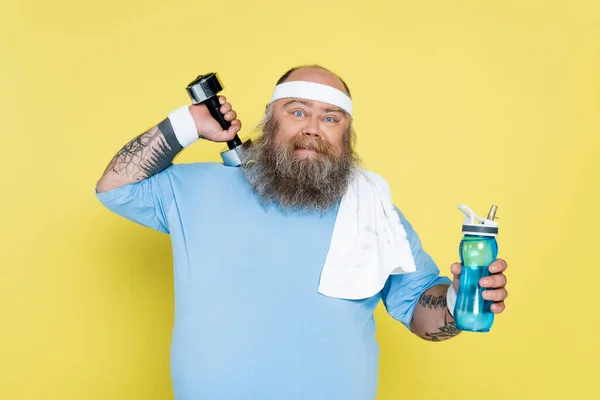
(249, 245)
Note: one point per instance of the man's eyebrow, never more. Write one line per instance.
(328, 110)
(305, 102)
(310, 104)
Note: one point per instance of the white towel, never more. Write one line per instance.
(369, 242)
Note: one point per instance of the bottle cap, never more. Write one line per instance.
(475, 225)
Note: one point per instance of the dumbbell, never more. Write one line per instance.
(204, 90)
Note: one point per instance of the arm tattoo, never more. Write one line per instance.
(432, 301)
(147, 154)
(446, 331)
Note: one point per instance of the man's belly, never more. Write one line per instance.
(290, 353)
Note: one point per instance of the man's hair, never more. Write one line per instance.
(287, 74)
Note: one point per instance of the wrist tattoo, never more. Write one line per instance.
(432, 301)
(147, 154)
(446, 331)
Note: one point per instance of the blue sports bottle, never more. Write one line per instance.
(478, 249)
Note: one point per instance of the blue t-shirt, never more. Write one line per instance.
(249, 322)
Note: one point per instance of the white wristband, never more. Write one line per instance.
(184, 126)
(451, 299)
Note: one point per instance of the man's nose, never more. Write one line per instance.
(312, 127)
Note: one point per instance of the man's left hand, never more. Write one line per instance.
(494, 285)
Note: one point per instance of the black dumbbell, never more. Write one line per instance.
(205, 89)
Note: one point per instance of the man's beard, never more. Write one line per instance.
(278, 175)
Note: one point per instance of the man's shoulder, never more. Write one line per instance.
(374, 175)
(195, 169)
(379, 181)
(196, 176)
(384, 184)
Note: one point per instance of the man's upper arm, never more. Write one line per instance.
(402, 292)
(145, 202)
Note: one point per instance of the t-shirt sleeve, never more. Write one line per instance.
(402, 292)
(145, 202)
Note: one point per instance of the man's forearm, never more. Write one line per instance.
(431, 319)
(144, 156)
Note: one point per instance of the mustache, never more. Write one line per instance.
(303, 142)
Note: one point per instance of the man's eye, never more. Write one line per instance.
(329, 120)
(299, 113)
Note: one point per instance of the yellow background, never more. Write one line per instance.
(456, 102)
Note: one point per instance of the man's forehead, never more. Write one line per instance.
(312, 104)
(328, 96)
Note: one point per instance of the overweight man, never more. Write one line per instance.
(280, 263)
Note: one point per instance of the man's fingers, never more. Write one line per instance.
(497, 308)
(493, 281)
(495, 294)
(235, 127)
(230, 116)
(498, 266)
(456, 268)
(225, 108)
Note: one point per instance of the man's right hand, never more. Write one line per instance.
(208, 128)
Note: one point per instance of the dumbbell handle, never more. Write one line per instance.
(205, 89)
(214, 107)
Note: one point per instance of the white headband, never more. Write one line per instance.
(313, 91)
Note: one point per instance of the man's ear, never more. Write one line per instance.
(267, 107)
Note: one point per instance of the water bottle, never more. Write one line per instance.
(478, 249)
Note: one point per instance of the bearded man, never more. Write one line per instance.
(279, 264)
